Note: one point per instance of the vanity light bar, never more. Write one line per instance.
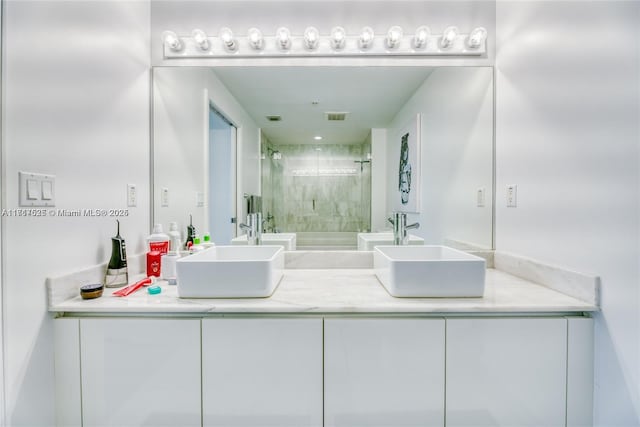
(284, 44)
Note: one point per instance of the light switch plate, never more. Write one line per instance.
(199, 199)
(36, 189)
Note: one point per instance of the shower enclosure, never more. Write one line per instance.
(320, 192)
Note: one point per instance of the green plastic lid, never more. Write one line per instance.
(196, 241)
(207, 238)
(155, 289)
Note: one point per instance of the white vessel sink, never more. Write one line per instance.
(286, 240)
(231, 272)
(429, 271)
(368, 241)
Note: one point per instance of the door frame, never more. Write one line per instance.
(209, 104)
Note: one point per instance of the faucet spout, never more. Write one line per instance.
(253, 227)
(400, 227)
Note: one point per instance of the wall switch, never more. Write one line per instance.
(36, 189)
(164, 197)
(132, 195)
(199, 199)
(47, 190)
(33, 189)
(480, 197)
(512, 196)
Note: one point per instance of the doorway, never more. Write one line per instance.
(222, 177)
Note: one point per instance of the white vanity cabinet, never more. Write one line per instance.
(137, 371)
(514, 372)
(384, 372)
(262, 372)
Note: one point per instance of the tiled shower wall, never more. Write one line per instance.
(317, 188)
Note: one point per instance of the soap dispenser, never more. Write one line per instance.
(117, 274)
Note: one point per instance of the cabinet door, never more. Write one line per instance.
(506, 372)
(66, 334)
(384, 372)
(580, 372)
(139, 372)
(262, 372)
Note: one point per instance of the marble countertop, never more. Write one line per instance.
(354, 290)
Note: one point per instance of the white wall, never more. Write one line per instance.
(76, 86)
(179, 137)
(568, 114)
(181, 134)
(456, 104)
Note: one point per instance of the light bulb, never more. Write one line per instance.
(366, 38)
(394, 36)
(311, 38)
(476, 38)
(422, 37)
(338, 38)
(200, 37)
(226, 35)
(448, 37)
(256, 41)
(283, 38)
(172, 40)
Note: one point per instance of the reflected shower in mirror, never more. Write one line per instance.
(321, 146)
(317, 191)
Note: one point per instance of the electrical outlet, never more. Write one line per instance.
(480, 197)
(164, 197)
(199, 199)
(132, 195)
(512, 196)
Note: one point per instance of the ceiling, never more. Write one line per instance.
(371, 95)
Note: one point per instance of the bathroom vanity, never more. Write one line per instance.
(330, 347)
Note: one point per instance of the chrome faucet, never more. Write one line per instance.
(253, 228)
(400, 227)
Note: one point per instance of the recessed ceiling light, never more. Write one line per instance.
(317, 137)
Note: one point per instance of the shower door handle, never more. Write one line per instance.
(314, 204)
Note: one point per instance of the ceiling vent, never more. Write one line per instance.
(336, 116)
(274, 118)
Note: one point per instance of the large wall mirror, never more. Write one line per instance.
(332, 151)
